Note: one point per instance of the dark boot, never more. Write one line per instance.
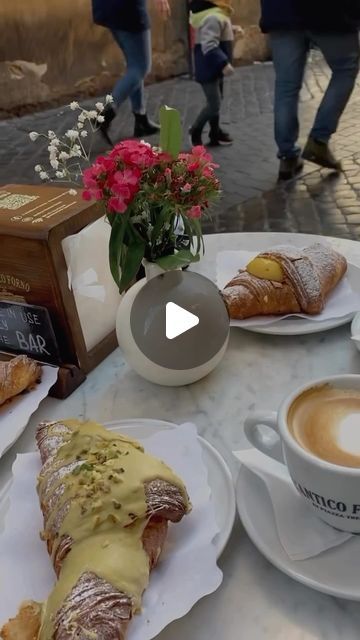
(109, 114)
(290, 167)
(195, 137)
(144, 126)
(320, 153)
(217, 136)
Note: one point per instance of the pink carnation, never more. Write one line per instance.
(117, 204)
(194, 212)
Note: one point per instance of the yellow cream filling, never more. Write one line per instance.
(266, 269)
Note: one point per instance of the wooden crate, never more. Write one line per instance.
(33, 273)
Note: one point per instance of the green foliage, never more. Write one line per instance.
(170, 132)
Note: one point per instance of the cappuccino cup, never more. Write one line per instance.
(318, 428)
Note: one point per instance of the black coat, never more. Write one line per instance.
(333, 16)
(128, 15)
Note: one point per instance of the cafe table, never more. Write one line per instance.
(256, 601)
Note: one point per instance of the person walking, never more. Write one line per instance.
(294, 26)
(128, 21)
(212, 57)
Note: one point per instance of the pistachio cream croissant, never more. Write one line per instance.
(285, 280)
(106, 506)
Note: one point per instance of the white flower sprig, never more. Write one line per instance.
(67, 153)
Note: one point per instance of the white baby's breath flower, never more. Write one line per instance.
(55, 142)
(51, 134)
(63, 155)
(83, 134)
(33, 136)
(75, 152)
(54, 163)
(82, 116)
(80, 125)
(60, 174)
(72, 134)
(100, 119)
(44, 175)
(72, 192)
(92, 114)
(74, 105)
(38, 168)
(109, 99)
(99, 106)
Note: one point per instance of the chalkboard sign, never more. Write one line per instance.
(26, 328)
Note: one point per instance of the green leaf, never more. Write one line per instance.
(170, 131)
(116, 247)
(131, 263)
(179, 259)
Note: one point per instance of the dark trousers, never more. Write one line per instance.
(290, 50)
(210, 113)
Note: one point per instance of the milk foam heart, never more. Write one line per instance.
(326, 422)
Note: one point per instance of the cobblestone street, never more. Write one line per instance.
(318, 202)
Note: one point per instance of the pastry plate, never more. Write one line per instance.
(290, 325)
(219, 476)
(334, 572)
(15, 414)
(300, 326)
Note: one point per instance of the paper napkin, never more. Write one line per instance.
(301, 533)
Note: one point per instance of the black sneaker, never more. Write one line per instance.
(144, 126)
(195, 137)
(221, 138)
(290, 167)
(321, 154)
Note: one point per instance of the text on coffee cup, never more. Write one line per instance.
(329, 505)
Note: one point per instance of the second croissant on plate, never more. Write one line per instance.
(285, 280)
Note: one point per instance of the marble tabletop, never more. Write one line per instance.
(255, 600)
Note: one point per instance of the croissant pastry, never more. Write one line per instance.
(285, 280)
(106, 507)
(16, 375)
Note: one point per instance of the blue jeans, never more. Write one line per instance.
(136, 48)
(290, 50)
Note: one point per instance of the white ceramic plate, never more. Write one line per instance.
(335, 572)
(293, 325)
(15, 414)
(300, 326)
(219, 476)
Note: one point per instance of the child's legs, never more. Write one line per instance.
(212, 91)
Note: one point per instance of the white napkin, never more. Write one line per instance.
(301, 533)
(341, 302)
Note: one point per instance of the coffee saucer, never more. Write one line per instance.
(334, 572)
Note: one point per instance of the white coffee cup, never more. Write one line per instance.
(331, 490)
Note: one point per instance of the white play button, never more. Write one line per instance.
(178, 320)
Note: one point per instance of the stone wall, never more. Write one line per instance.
(50, 50)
